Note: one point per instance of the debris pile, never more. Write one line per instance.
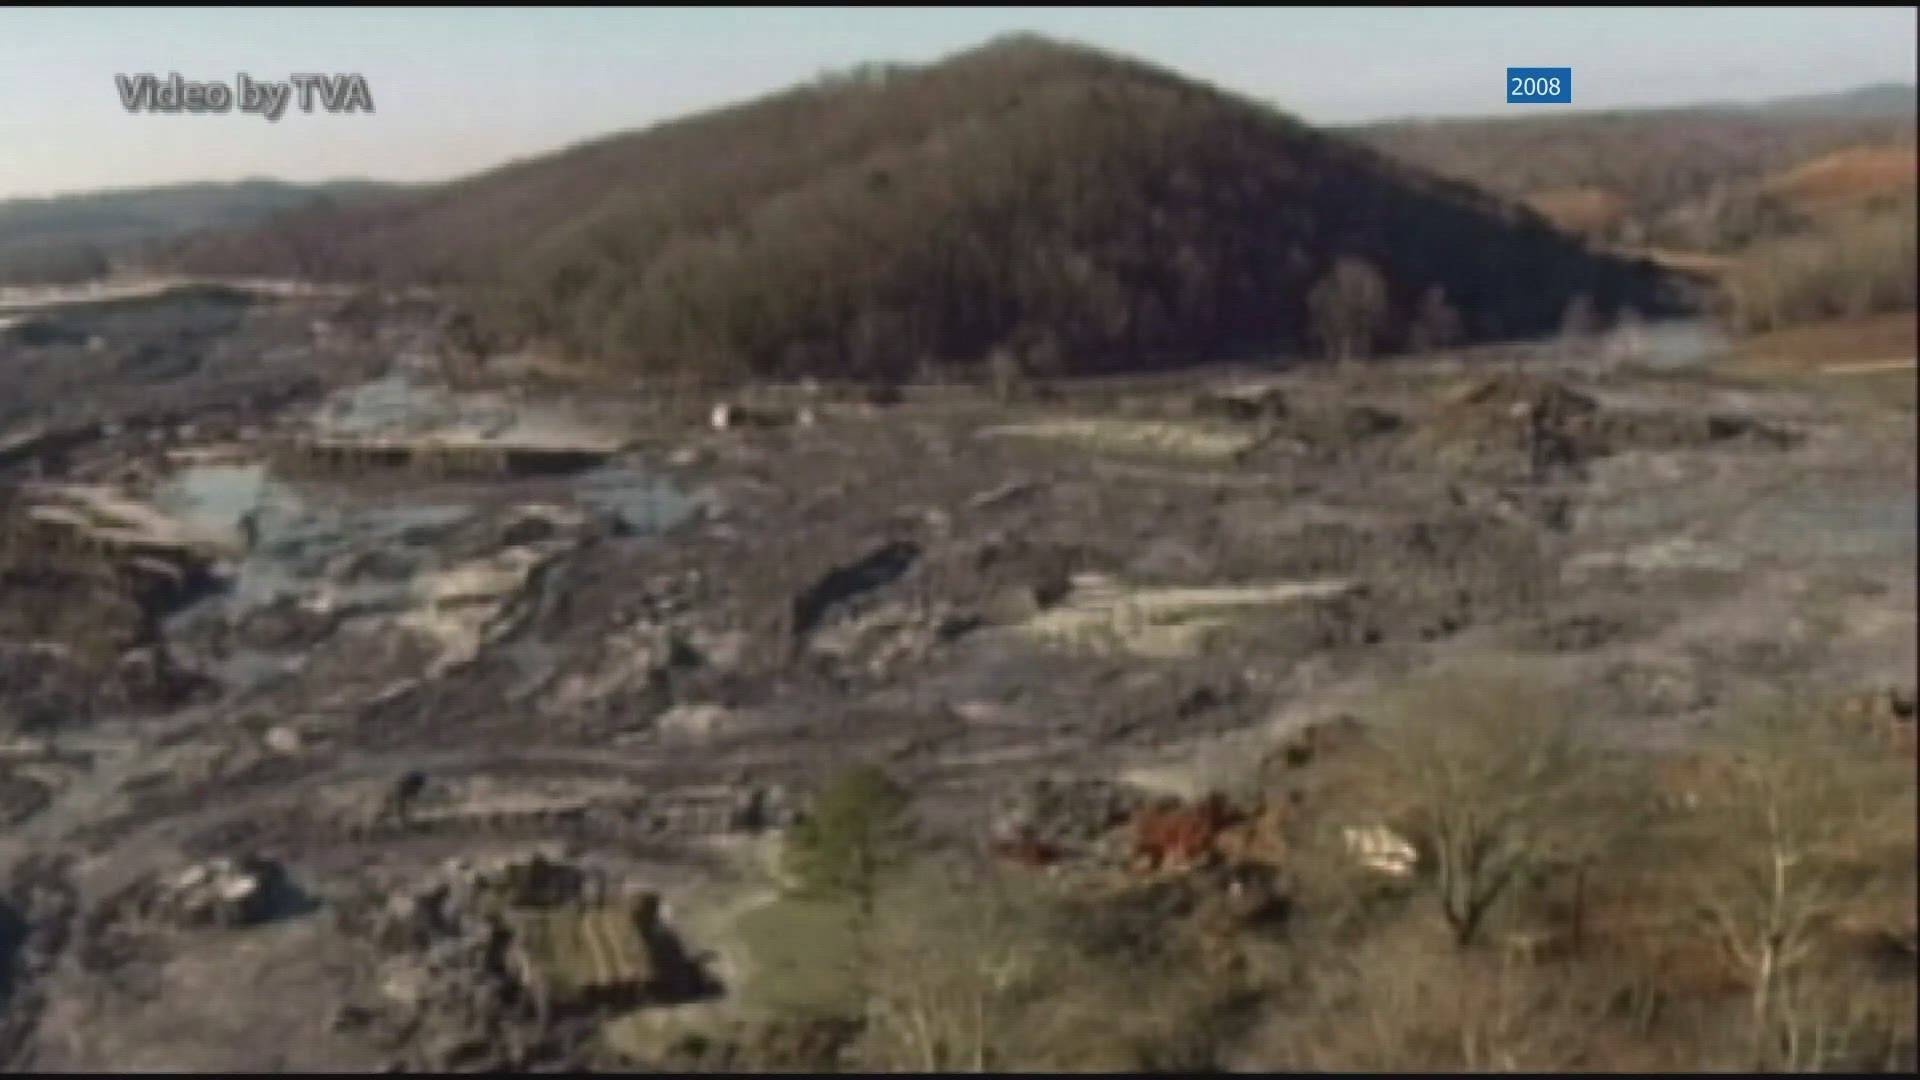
(1245, 402)
(484, 954)
(1886, 713)
(99, 542)
(729, 415)
(1552, 427)
(1052, 820)
(1340, 427)
(47, 682)
(1380, 848)
(636, 660)
(1312, 742)
(878, 641)
(41, 447)
(395, 424)
(1177, 837)
(89, 575)
(221, 893)
(466, 607)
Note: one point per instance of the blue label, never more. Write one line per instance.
(1541, 86)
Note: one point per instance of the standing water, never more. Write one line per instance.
(1670, 345)
(345, 558)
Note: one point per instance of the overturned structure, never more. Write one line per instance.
(448, 453)
(577, 957)
(393, 423)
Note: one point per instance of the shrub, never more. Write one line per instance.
(854, 833)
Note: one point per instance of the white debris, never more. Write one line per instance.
(1380, 848)
(283, 739)
(695, 721)
(727, 415)
(217, 893)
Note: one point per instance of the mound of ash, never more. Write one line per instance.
(80, 628)
(1547, 429)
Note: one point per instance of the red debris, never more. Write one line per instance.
(1173, 836)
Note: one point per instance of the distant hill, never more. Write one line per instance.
(1070, 208)
(1681, 177)
(1851, 177)
(74, 237)
(1888, 100)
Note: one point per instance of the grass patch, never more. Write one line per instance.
(799, 956)
(644, 1035)
(1185, 440)
(1161, 623)
(1884, 337)
(1849, 176)
(1867, 360)
(1892, 388)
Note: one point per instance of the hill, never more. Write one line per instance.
(1894, 100)
(1069, 208)
(75, 237)
(1688, 178)
(1853, 176)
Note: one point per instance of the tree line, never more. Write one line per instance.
(1070, 209)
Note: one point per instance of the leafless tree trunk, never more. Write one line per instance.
(1348, 309)
(1502, 788)
(1805, 824)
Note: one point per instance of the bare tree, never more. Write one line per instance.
(1499, 788)
(1628, 339)
(1390, 1002)
(940, 999)
(1436, 323)
(954, 971)
(1806, 827)
(973, 969)
(1348, 309)
(1581, 318)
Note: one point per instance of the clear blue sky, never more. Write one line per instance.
(461, 90)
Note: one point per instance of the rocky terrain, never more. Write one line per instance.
(284, 722)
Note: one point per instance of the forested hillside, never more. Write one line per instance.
(1062, 207)
(1693, 178)
(76, 237)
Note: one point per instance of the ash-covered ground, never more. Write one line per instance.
(255, 789)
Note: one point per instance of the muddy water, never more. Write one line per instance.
(295, 541)
(639, 502)
(324, 550)
(395, 404)
(297, 551)
(1671, 345)
(400, 404)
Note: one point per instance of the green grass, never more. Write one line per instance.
(799, 956)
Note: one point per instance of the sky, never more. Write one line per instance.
(456, 91)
